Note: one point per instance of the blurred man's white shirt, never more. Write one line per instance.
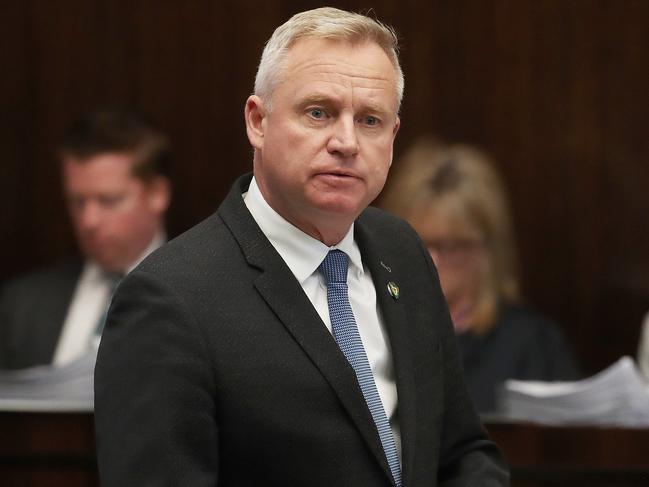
(88, 306)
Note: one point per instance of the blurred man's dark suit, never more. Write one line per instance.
(239, 382)
(32, 312)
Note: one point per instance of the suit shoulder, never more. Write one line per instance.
(61, 273)
(192, 246)
(379, 220)
(524, 317)
(201, 254)
(542, 339)
(527, 325)
(391, 231)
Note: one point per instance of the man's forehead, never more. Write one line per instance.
(314, 50)
(343, 72)
(107, 158)
(319, 65)
(103, 169)
(104, 165)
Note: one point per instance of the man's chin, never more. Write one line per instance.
(341, 206)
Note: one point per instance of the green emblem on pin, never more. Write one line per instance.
(393, 289)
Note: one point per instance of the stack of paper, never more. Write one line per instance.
(49, 388)
(618, 396)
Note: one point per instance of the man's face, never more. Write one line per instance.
(457, 246)
(115, 215)
(324, 150)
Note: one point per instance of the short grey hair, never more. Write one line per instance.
(323, 23)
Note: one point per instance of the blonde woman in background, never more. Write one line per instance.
(456, 201)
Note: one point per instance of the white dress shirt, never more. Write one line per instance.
(303, 255)
(89, 304)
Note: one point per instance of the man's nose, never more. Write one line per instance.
(343, 140)
(89, 216)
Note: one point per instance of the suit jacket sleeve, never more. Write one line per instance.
(154, 391)
(29, 333)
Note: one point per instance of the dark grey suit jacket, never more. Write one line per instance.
(215, 369)
(32, 311)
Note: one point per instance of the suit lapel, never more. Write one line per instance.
(284, 295)
(49, 316)
(385, 273)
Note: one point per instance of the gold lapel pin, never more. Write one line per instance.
(393, 289)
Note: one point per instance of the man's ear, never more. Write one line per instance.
(396, 127)
(255, 113)
(159, 194)
(397, 124)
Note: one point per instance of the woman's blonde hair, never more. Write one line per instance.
(431, 174)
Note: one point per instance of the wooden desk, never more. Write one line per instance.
(572, 456)
(57, 449)
(47, 450)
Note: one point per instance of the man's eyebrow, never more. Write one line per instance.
(372, 106)
(316, 99)
(326, 100)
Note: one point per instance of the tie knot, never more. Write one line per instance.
(334, 266)
(113, 279)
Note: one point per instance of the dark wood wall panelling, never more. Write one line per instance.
(555, 90)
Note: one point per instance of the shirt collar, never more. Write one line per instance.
(301, 252)
(158, 239)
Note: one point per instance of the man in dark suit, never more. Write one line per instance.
(295, 338)
(112, 163)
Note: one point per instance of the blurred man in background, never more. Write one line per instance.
(113, 169)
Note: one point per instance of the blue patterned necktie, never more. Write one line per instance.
(345, 331)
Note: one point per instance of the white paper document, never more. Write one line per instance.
(617, 396)
(46, 388)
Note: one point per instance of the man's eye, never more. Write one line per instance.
(317, 113)
(370, 120)
(110, 200)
